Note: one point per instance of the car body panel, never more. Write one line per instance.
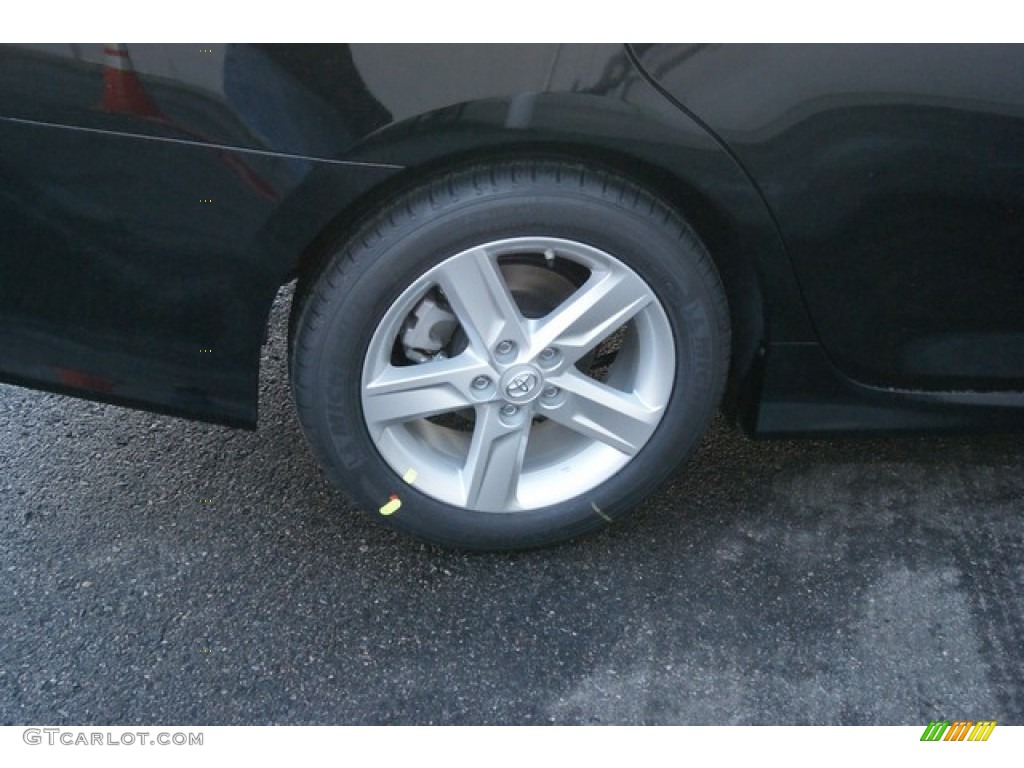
(896, 176)
(156, 197)
(120, 278)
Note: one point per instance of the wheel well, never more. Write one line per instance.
(712, 225)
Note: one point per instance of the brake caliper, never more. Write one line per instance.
(428, 330)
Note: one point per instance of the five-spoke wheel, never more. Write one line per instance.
(511, 356)
(509, 411)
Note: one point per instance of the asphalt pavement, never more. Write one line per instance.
(158, 571)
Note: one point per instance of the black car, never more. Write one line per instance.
(527, 276)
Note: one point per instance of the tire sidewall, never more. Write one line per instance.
(393, 251)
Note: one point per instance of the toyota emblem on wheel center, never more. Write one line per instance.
(522, 384)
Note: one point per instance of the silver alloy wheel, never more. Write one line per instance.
(515, 419)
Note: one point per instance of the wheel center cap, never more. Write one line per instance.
(521, 384)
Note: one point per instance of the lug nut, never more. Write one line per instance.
(505, 347)
(550, 392)
(481, 382)
(549, 357)
(509, 410)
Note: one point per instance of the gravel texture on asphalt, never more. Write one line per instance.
(158, 571)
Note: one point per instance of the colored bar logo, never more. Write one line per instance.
(959, 730)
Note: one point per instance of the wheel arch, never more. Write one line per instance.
(666, 153)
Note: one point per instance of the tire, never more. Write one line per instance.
(511, 355)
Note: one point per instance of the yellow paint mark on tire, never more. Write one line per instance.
(392, 506)
(410, 475)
